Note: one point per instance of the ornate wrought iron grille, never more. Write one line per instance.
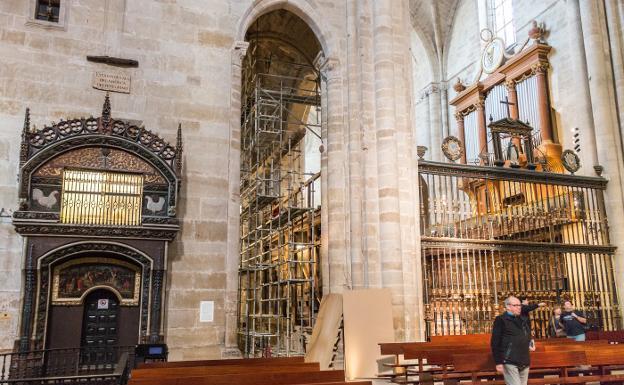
(101, 198)
(488, 233)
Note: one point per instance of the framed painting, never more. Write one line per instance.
(74, 279)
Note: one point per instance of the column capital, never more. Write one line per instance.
(539, 68)
(480, 104)
(459, 116)
(510, 85)
(328, 66)
(239, 50)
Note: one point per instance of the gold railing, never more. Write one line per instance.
(101, 198)
(488, 233)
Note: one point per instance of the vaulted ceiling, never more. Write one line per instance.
(432, 20)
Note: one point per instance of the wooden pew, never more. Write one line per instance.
(225, 369)
(566, 363)
(463, 338)
(613, 336)
(236, 361)
(575, 345)
(269, 378)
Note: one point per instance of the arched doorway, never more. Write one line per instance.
(100, 327)
(280, 214)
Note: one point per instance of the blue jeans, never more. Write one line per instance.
(579, 338)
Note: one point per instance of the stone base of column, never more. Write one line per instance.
(552, 151)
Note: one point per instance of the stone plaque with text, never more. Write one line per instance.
(111, 81)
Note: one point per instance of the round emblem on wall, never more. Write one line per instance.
(452, 148)
(493, 55)
(570, 161)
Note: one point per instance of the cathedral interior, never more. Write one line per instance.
(209, 176)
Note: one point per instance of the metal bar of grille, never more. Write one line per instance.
(101, 198)
(487, 234)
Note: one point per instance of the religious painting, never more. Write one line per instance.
(74, 279)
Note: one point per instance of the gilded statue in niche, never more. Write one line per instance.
(95, 158)
(73, 279)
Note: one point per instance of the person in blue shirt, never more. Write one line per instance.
(573, 321)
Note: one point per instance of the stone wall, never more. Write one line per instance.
(189, 55)
(184, 76)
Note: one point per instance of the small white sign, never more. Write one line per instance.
(111, 81)
(102, 304)
(206, 311)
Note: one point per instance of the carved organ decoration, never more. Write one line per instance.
(101, 148)
(516, 88)
(97, 206)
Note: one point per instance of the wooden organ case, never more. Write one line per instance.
(97, 209)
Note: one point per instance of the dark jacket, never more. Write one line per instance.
(510, 341)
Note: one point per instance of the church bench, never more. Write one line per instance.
(575, 345)
(235, 361)
(225, 369)
(270, 378)
(565, 363)
(462, 338)
(613, 336)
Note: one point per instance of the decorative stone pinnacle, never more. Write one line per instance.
(26, 124)
(106, 111)
(179, 147)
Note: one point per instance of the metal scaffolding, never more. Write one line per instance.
(280, 217)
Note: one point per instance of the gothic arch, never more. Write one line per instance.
(301, 8)
(47, 261)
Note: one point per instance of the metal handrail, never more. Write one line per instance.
(65, 365)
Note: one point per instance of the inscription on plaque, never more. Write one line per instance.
(111, 81)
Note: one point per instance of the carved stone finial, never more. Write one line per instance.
(537, 32)
(26, 123)
(178, 158)
(106, 111)
(458, 86)
(25, 133)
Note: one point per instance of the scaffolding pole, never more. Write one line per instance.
(279, 273)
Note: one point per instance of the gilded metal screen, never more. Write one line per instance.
(101, 198)
(488, 233)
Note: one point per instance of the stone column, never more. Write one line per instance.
(579, 110)
(239, 50)
(334, 228)
(461, 132)
(435, 119)
(608, 135)
(444, 110)
(615, 21)
(353, 138)
(482, 126)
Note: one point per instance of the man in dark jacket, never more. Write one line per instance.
(511, 337)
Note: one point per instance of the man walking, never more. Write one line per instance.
(511, 337)
(573, 321)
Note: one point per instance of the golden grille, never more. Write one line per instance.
(101, 198)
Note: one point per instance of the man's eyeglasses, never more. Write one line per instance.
(515, 305)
